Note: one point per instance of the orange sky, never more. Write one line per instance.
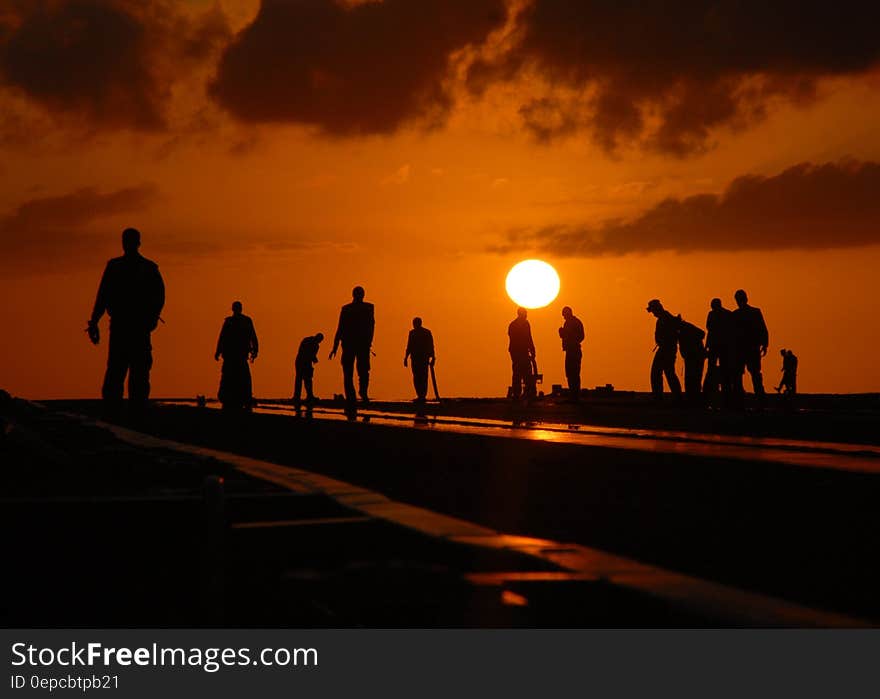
(428, 207)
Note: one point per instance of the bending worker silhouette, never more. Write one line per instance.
(788, 384)
(357, 323)
(693, 352)
(304, 364)
(522, 353)
(132, 293)
(572, 334)
(420, 352)
(237, 344)
(666, 337)
(751, 342)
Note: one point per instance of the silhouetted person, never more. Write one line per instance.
(572, 335)
(420, 351)
(522, 354)
(788, 384)
(237, 344)
(132, 293)
(720, 351)
(357, 323)
(666, 338)
(304, 365)
(693, 352)
(751, 342)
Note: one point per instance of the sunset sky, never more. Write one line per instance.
(282, 152)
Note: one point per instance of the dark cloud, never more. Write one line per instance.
(77, 208)
(56, 233)
(666, 75)
(47, 229)
(349, 68)
(807, 207)
(549, 118)
(112, 62)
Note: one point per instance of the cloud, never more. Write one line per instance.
(667, 75)
(350, 68)
(806, 207)
(53, 233)
(77, 208)
(110, 62)
(549, 118)
(46, 229)
(662, 76)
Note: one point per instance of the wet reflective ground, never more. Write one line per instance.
(834, 455)
(764, 515)
(773, 517)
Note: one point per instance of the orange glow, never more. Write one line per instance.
(288, 218)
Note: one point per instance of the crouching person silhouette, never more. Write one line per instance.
(304, 365)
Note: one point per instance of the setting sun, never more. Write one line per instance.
(532, 283)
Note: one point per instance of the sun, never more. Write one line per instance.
(532, 283)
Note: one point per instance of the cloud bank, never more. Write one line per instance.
(806, 207)
(350, 68)
(109, 62)
(666, 75)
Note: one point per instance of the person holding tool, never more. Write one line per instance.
(788, 384)
(522, 356)
(304, 368)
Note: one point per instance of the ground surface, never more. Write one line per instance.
(104, 533)
(843, 418)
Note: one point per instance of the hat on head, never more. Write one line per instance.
(652, 304)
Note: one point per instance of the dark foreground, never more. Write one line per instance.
(106, 532)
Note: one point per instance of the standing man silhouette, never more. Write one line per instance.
(420, 351)
(304, 364)
(572, 334)
(720, 351)
(752, 340)
(132, 293)
(357, 323)
(522, 353)
(666, 338)
(237, 344)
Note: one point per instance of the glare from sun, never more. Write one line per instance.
(532, 283)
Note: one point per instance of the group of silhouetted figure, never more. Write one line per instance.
(715, 359)
(132, 293)
(524, 366)
(735, 343)
(238, 345)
